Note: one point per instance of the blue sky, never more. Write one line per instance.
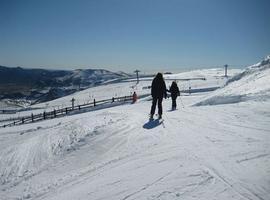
(151, 35)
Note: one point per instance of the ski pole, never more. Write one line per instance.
(181, 101)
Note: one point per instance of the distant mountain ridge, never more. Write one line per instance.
(32, 84)
(56, 78)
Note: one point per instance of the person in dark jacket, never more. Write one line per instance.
(174, 90)
(158, 91)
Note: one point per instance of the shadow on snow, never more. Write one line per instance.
(152, 124)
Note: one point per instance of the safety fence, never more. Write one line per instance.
(67, 110)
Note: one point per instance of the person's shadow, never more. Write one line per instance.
(152, 124)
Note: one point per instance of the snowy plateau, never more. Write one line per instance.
(216, 145)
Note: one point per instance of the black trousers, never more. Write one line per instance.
(174, 102)
(154, 103)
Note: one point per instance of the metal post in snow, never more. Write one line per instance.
(137, 74)
(226, 69)
(72, 100)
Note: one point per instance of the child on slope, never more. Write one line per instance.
(174, 90)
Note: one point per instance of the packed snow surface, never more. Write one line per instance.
(195, 152)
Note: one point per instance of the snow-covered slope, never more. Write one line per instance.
(117, 154)
(9, 104)
(210, 78)
(252, 84)
(213, 78)
(196, 152)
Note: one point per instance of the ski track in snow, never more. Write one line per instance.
(211, 172)
(206, 152)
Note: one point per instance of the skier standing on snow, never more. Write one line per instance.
(134, 97)
(174, 90)
(158, 91)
